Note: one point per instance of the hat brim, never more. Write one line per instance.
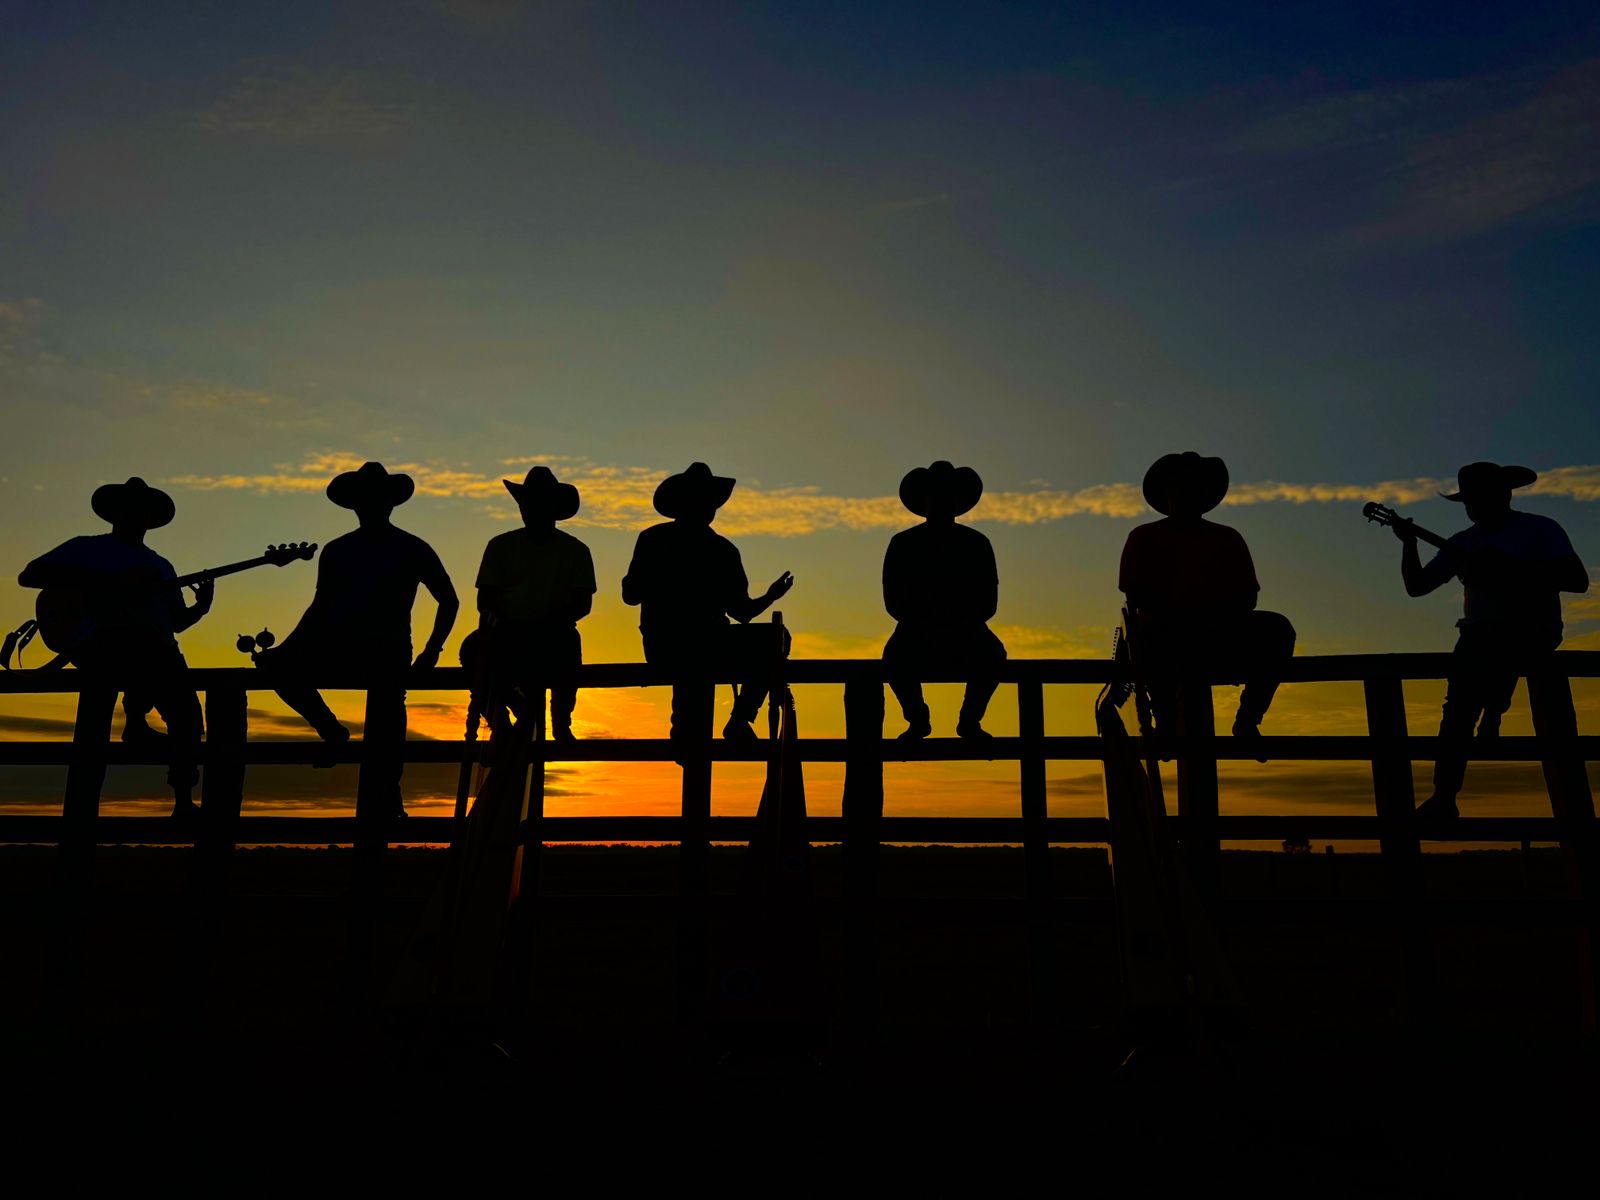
(1511, 479)
(678, 493)
(1204, 479)
(949, 493)
(116, 503)
(559, 502)
(352, 489)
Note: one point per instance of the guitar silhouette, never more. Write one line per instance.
(1379, 515)
(66, 617)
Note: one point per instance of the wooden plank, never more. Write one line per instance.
(1036, 851)
(222, 788)
(1199, 837)
(696, 711)
(1395, 800)
(862, 825)
(86, 775)
(1355, 668)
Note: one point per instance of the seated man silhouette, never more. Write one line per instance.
(688, 580)
(1191, 589)
(359, 620)
(535, 584)
(941, 586)
(1513, 567)
(130, 618)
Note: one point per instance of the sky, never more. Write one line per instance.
(1346, 246)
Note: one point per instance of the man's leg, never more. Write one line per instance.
(385, 736)
(1472, 670)
(1264, 643)
(566, 656)
(171, 694)
(902, 662)
(981, 657)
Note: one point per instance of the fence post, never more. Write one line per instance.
(1036, 845)
(1197, 785)
(80, 809)
(695, 705)
(863, 821)
(530, 847)
(377, 795)
(1566, 778)
(222, 788)
(1397, 836)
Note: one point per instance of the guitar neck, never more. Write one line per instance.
(1427, 535)
(218, 572)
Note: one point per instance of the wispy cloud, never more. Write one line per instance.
(1432, 160)
(620, 497)
(297, 104)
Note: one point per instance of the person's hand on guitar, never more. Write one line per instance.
(204, 593)
(1405, 530)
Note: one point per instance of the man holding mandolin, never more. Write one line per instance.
(1513, 567)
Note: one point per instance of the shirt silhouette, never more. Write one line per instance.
(132, 615)
(1191, 588)
(360, 621)
(941, 585)
(688, 580)
(1513, 567)
(534, 585)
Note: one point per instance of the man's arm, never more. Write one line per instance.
(1419, 579)
(437, 580)
(635, 584)
(986, 588)
(743, 607)
(1571, 575)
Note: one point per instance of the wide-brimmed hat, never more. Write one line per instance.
(135, 500)
(692, 489)
(1487, 478)
(371, 483)
(940, 488)
(541, 490)
(1188, 482)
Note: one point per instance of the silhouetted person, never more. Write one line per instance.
(536, 583)
(1191, 589)
(688, 580)
(131, 616)
(941, 585)
(360, 619)
(1513, 567)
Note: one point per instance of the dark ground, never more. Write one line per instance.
(1329, 1074)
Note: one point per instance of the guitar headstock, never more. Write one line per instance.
(1378, 514)
(289, 552)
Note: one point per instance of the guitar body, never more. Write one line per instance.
(64, 618)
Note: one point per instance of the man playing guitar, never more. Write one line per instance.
(1513, 567)
(130, 621)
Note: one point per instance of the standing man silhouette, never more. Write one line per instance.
(360, 620)
(1513, 567)
(688, 580)
(132, 615)
(535, 584)
(1191, 588)
(942, 587)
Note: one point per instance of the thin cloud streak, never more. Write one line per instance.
(620, 497)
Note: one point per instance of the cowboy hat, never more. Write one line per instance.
(540, 490)
(1481, 477)
(1188, 482)
(370, 484)
(940, 488)
(691, 489)
(134, 500)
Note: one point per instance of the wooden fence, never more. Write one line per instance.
(862, 828)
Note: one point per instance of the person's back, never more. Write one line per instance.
(101, 563)
(940, 574)
(367, 583)
(534, 574)
(1186, 568)
(684, 577)
(1519, 593)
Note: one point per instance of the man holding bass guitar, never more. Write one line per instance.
(1513, 567)
(128, 621)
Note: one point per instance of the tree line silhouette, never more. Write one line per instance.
(112, 606)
